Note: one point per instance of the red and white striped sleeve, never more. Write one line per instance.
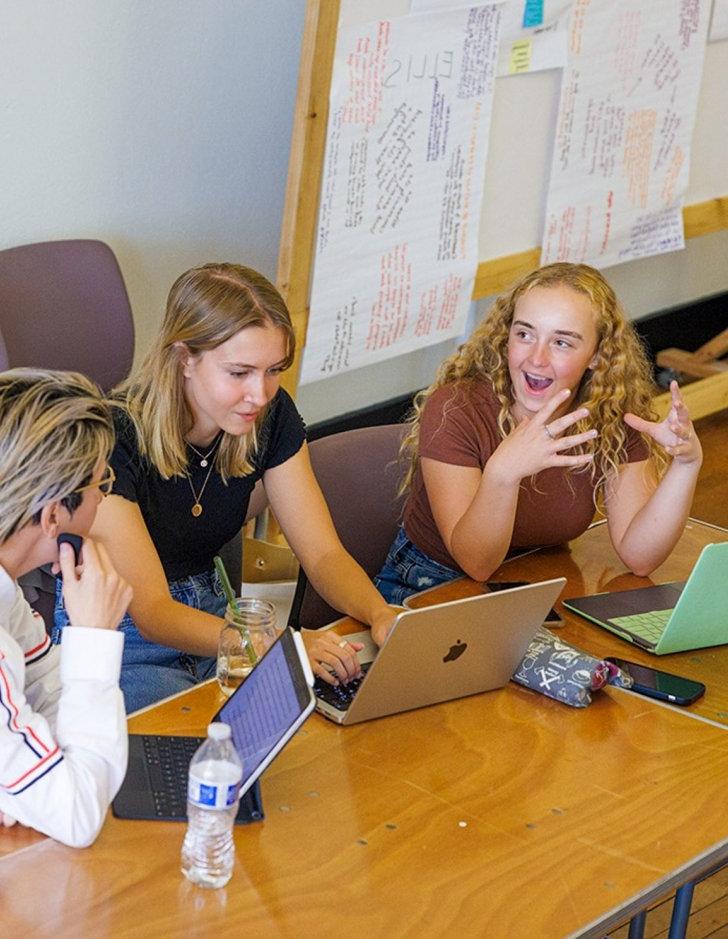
(63, 743)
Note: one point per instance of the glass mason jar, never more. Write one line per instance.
(249, 631)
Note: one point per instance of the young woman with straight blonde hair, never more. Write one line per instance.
(543, 414)
(197, 426)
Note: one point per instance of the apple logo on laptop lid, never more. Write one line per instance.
(455, 651)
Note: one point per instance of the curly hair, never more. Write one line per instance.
(620, 381)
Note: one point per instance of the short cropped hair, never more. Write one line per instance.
(54, 429)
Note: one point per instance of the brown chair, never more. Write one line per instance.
(64, 305)
(359, 473)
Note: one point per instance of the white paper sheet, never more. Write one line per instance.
(533, 33)
(396, 247)
(719, 22)
(622, 149)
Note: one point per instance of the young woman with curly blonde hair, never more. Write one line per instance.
(543, 414)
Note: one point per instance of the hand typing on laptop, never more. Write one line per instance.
(333, 658)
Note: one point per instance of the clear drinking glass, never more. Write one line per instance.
(249, 630)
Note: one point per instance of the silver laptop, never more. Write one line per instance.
(441, 652)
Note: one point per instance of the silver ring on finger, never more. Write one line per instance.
(548, 432)
(343, 644)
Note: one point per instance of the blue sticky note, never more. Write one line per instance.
(532, 13)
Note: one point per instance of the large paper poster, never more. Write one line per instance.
(626, 115)
(396, 247)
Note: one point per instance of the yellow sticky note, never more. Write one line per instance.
(520, 56)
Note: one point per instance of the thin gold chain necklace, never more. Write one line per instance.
(197, 505)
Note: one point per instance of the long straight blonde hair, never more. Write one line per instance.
(206, 306)
(620, 381)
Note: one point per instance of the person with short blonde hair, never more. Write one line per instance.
(197, 426)
(541, 416)
(62, 726)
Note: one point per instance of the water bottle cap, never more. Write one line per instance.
(218, 731)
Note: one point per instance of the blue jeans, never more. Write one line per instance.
(408, 570)
(150, 671)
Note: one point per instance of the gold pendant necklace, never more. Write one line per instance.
(197, 505)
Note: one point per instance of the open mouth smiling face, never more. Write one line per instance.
(551, 344)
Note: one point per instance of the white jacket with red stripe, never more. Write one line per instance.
(63, 742)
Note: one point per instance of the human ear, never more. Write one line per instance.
(50, 519)
(185, 357)
(594, 362)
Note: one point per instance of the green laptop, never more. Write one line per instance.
(672, 617)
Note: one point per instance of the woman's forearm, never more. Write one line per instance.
(481, 538)
(655, 529)
(170, 623)
(345, 586)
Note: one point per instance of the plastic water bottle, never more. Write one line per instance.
(208, 851)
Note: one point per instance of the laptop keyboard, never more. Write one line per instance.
(647, 626)
(339, 696)
(168, 759)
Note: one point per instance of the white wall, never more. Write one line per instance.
(163, 128)
(159, 126)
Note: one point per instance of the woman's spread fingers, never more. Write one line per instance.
(550, 406)
(578, 459)
(565, 443)
(558, 426)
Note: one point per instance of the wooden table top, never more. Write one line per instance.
(504, 814)
(590, 566)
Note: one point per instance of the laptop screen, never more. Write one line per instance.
(267, 706)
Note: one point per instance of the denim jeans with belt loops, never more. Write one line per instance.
(408, 570)
(149, 671)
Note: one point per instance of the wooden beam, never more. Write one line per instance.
(689, 364)
(305, 169)
(498, 274)
(702, 397)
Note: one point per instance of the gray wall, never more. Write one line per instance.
(159, 126)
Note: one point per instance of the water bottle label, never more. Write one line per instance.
(210, 795)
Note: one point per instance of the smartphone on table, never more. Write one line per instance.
(552, 617)
(661, 685)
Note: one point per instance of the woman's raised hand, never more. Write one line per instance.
(675, 433)
(537, 442)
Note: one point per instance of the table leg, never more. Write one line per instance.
(681, 911)
(637, 925)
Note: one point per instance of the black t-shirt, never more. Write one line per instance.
(185, 544)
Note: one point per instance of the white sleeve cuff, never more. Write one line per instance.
(91, 654)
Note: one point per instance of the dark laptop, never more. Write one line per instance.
(264, 713)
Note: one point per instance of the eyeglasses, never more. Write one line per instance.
(105, 485)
